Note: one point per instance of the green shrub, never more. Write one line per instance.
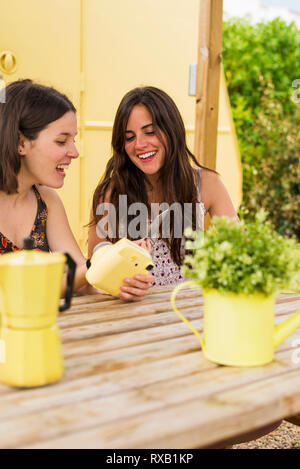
(261, 61)
(244, 258)
(270, 50)
(271, 167)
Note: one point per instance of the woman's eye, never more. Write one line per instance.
(61, 143)
(150, 133)
(128, 139)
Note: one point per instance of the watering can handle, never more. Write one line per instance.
(70, 282)
(173, 297)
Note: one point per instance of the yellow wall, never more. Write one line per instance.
(44, 36)
(228, 157)
(97, 50)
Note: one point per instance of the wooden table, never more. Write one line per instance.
(136, 378)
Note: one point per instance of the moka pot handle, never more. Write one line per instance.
(70, 282)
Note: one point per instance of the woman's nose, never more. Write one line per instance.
(140, 141)
(73, 152)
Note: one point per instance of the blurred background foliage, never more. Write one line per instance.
(261, 62)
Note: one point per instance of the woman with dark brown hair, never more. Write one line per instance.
(151, 164)
(37, 130)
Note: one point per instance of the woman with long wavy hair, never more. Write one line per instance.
(152, 165)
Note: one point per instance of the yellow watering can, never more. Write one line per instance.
(30, 286)
(239, 329)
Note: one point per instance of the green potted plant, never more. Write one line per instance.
(241, 267)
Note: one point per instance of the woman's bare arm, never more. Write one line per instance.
(215, 196)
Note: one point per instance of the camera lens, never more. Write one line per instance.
(149, 267)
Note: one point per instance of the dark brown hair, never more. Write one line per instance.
(177, 174)
(28, 109)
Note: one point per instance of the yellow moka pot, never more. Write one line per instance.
(30, 287)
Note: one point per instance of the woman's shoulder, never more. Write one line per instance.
(205, 173)
(211, 184)
(49, 195)
(215, 196)
(207, 177)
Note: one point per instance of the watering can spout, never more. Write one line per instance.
(286, 328)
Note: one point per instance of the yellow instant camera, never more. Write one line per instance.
(112, 263)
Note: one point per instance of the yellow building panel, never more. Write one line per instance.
(44, 36)
(228, 158)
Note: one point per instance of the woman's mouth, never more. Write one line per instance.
(147, 157)
(60, 168)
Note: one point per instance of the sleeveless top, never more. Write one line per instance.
(166, 271)
(38, 231)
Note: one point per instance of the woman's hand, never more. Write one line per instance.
(144, 243)
(136, 288)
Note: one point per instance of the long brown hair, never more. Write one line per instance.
(28, 109)
(177, 177)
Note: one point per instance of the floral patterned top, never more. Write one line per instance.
(165, 271)
(38, 232)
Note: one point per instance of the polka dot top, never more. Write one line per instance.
(166, 271)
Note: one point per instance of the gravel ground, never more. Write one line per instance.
(286, 436)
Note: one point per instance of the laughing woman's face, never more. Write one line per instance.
(45, 159)
(142, 144)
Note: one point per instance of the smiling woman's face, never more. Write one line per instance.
(142, 144)
(45, 159)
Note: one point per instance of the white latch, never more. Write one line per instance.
(193, 80)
